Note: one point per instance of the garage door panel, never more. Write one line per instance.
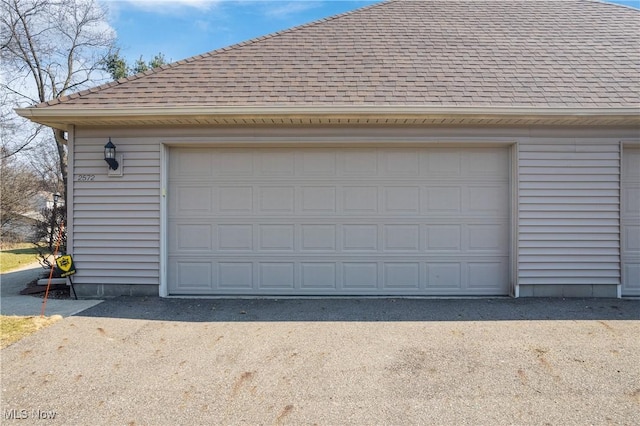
(318, 237)
(276, 276)
(404, 163)
(279, 237)
(408, 238)
(193, 275)
(276, 163)
(191, 200)
(359, 163)
(233, 163)
(404, 237)
(479, 163)
(631, 237)
(632, 276)
(444, 277)
(493, 238)
(235, 237)
(333, 276)
(403, 200)
(360, 276)
(276, 199)
(360, 199)
(487, 199)
(631, 196)
(318, 199)
(401, 276)
(235, 276)
(195, 163)
(441, 238)
(318, 276)
(338, 221)
(318, 163)
(484, 275)
(443, 163)
(346, 200)
(630, 163)
(235, 199)
(443, 199)
(194, 200)
(359, 237)
(192, 237)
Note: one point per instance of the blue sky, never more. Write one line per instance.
(183, 28)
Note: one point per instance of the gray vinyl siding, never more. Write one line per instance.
(568, 213)
(116, 220)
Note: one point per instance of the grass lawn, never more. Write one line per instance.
(17, 256)
(14, 328)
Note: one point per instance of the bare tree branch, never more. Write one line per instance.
(15, 92)
(48, 48)
(31, 138)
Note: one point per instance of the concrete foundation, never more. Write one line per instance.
(569, 290)
(101, 291)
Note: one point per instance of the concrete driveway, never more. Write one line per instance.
(150, 361)
(13, 303)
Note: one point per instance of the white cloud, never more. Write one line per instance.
(281, 10)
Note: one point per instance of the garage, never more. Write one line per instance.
(630, 221)
(407, 148)
(338, 221)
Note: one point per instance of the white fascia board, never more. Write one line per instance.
(323, 110)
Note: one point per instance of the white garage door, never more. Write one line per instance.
(630, 220)
(370, 221)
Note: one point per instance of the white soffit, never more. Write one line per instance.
(334, 115)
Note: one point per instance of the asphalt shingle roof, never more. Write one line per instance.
(453, 53)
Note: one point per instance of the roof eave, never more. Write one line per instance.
(62, 118)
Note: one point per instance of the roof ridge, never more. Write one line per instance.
(208, 54)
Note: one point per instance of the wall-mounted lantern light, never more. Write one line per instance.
(110, 155)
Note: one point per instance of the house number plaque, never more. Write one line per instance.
(85, 178)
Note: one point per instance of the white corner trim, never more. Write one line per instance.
(164, 257)
(71, 137)
(515, 218)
